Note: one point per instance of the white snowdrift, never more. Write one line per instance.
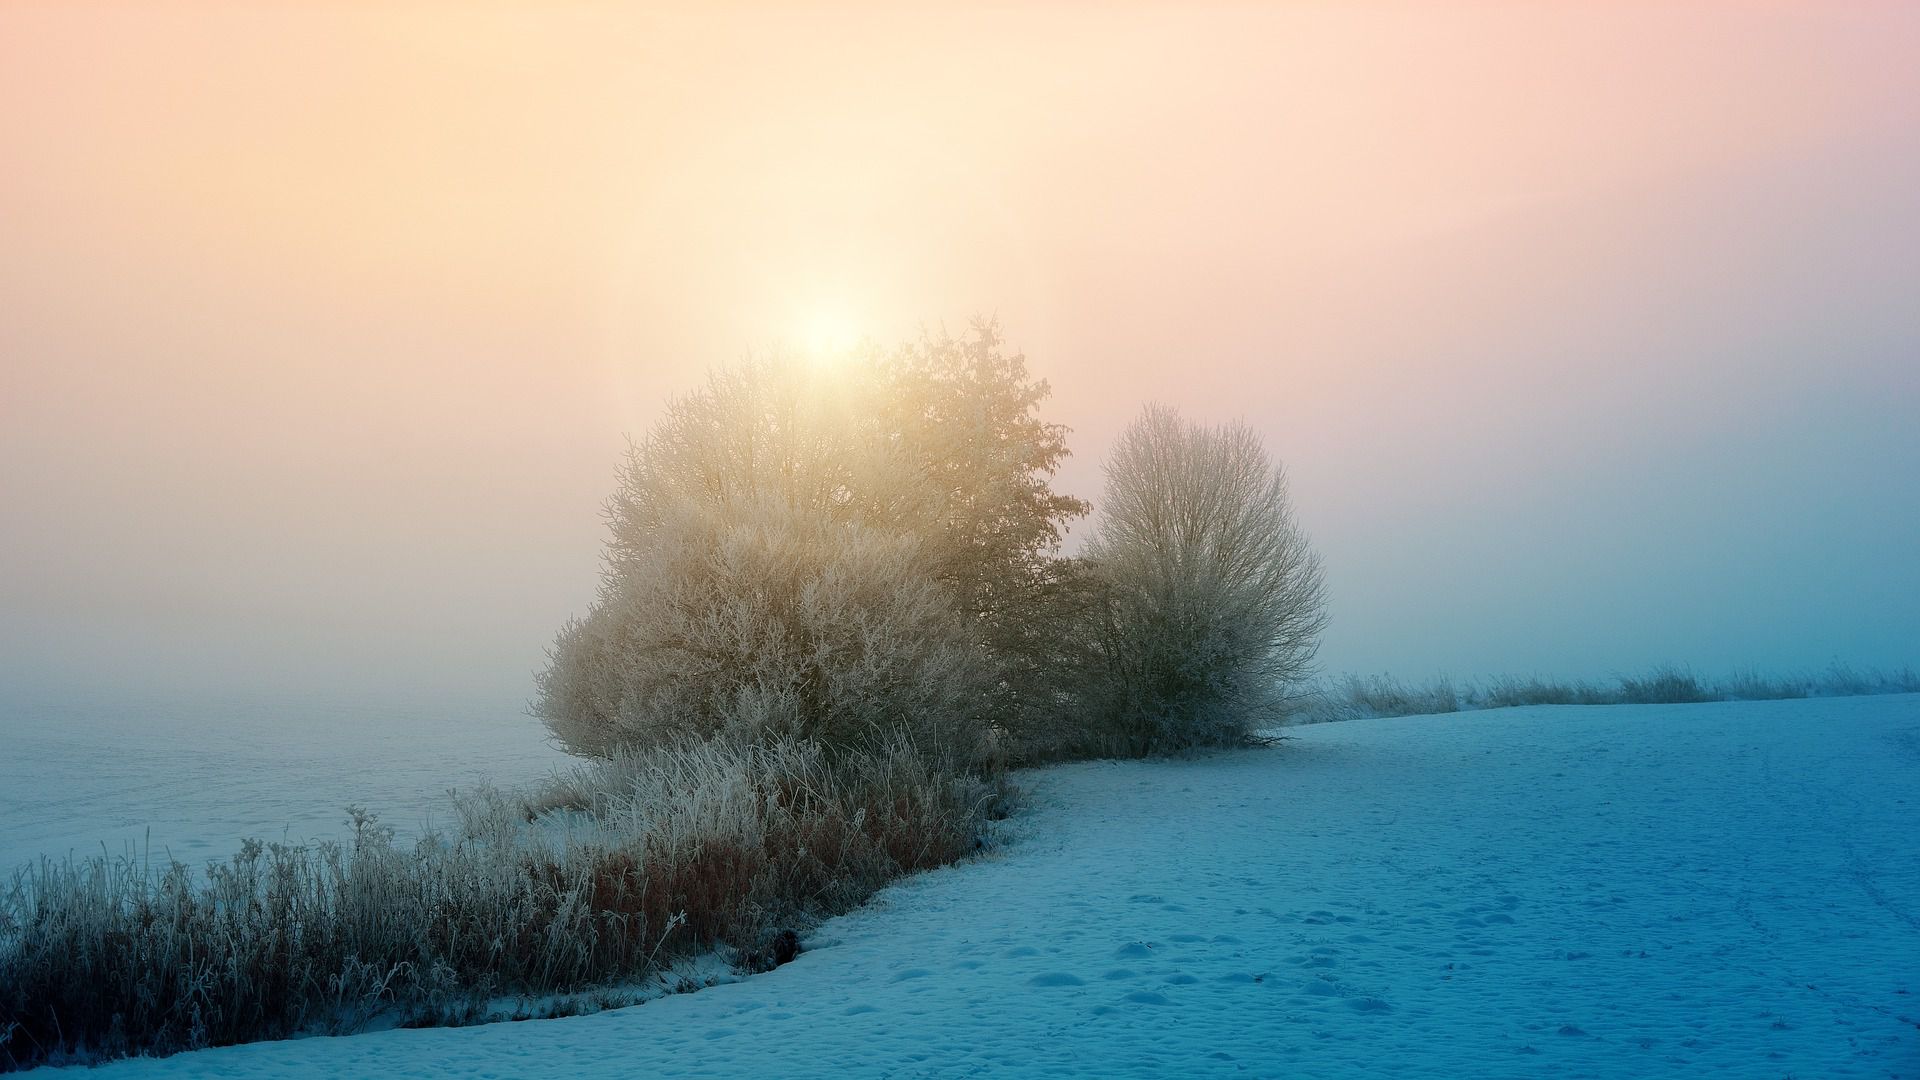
(1727, 889)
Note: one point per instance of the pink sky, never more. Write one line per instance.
(1589, 332)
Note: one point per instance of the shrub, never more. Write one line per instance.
(663, 854)
(758, 623)
(1213, 600)
(1051, 692)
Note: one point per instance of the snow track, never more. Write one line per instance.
(1724, 889)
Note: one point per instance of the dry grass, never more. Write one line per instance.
(1382, 695)
(633, 863)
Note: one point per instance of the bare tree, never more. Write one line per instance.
(1214, 600)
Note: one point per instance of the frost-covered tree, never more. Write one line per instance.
(823, 549)
(1213, 599)
(754, 623)
(967, 414)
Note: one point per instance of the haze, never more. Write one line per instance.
(1589, 334)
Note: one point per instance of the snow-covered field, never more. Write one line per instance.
(1725, 890)
(192, 780)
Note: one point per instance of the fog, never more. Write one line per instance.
(1589, 335)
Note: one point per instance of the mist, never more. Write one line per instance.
(1587, 334)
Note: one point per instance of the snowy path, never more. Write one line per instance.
(1726, 890)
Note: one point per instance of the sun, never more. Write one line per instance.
(826, 331)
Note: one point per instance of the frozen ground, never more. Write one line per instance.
(1712, 890)
(78, 775)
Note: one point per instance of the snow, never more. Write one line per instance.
(1701, 890)
(194, 779)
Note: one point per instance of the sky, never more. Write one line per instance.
(1588, 333)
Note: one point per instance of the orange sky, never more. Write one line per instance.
(1587, 330)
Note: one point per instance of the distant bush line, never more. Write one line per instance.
(1358, 697)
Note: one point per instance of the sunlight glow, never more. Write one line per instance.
(827, 331)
